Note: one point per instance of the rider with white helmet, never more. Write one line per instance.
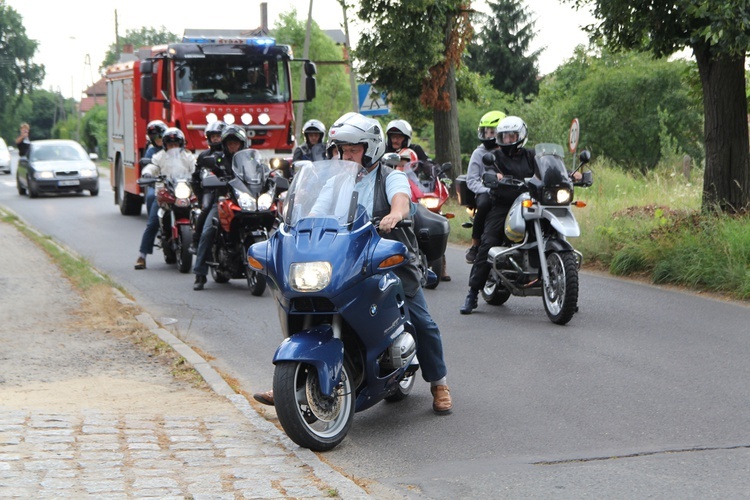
(313, 148)
(398, 135)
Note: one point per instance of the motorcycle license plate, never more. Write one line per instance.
(69, 183)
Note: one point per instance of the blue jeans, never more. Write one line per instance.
(207, 239)
(429, 343)
(152, 226)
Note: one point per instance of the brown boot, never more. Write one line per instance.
(264, 397)
(441, 399)
(140, 263)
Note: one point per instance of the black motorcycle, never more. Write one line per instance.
(247, 214)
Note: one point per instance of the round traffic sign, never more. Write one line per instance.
(575, 132)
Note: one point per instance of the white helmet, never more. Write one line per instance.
(512, 124)
(316, 127)
(399, 127)
(353, 128)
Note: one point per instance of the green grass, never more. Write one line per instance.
(651, 226)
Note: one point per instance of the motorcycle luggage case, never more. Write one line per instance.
(465, 195)
(432, 232)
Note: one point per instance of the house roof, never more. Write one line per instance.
(89, 102)
(99, 88)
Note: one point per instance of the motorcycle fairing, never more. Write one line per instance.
(318, 347)
(563, 220)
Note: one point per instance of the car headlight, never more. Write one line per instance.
(309, 276)
(88, 172)
(247, 202)
(430, 202)
(557, 196)
(265, 201)
(44, 175)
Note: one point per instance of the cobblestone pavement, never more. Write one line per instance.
(87, 414)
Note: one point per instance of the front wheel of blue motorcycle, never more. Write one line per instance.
(310, 418)
(561, 292)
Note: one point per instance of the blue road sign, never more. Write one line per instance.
(371, 102)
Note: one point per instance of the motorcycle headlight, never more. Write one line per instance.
(309, 276)
(182, 190)
(557, 196)
(265, 201)
(247, 202)
(430, 202)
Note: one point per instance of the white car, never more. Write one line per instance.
(4, 157)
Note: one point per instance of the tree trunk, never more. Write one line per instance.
(726, 182)
(447, 147)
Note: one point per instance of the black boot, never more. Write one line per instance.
(200, 280)
(471, 302)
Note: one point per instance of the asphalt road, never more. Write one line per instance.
(643, 394)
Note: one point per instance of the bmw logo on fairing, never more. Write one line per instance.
(373, 310)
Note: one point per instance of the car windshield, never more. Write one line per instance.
(231, 79)
(323, 189)
(58, 152)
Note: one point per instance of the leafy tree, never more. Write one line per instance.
(143, 37)
(93, 130)
(415, 51)
(718, 32)
(333, 96)
(18, 75)
(501, 48)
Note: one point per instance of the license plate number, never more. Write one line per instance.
(69, 183)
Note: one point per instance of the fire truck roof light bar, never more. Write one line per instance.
(256, 41)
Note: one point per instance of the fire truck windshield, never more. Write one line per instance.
(232, 80)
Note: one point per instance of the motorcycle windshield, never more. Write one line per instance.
(173, 168)
(323, 189)
(549, 159)
(249, 169)
(422, 175)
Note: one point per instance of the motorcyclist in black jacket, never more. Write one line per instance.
(233, 139)
(213, 141)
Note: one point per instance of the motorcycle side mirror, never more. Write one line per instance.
(391, 159)
(488, 159)
(445, 168)
(282, 184)
(209, 161)
(585, 156)
(489, 179)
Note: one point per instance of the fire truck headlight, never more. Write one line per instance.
(211, 117)
(246, 118)
(263, 118)
(229, 118)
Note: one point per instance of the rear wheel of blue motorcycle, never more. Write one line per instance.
(310, 418)
(495, 294)
(561, 293)
(184, 257)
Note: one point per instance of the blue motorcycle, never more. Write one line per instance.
(348, 340)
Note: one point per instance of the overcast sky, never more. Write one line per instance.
(74, 35)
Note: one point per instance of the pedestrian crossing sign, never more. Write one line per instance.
(371, 102)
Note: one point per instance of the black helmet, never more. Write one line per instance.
(154, 129)
(233, 132)
(173, 135)
(214, 128)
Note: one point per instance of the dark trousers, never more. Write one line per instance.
(492, 236)
(208, 200)
(483, 205)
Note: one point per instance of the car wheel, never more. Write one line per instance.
(21, 189)
(33, 192)
(95, 191)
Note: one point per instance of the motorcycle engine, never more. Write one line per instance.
(399, 353)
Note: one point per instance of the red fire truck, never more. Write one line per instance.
(240, 78)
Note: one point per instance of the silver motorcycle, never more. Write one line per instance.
(539, 260)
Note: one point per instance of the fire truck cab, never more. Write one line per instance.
(242, 78)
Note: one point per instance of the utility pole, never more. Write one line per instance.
(352, 77)
(117, 39)
(305, 54)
